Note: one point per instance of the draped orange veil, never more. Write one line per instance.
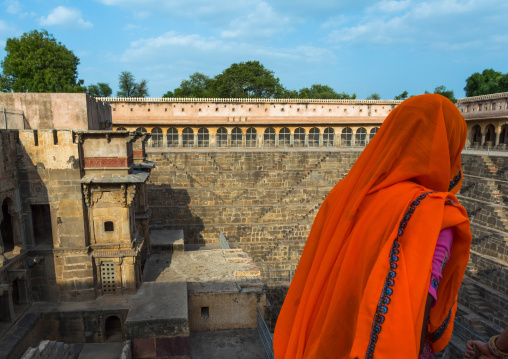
(362, 282)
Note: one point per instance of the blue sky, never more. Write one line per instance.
(360, 46)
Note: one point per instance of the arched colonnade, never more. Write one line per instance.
(257, 136)
(488, 134)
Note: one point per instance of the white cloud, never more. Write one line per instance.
(335, 21)
(261, 21)
(198, 8)
(130, 27)
(13, 6)
(194, 47)
(66, 17)
(438, 24)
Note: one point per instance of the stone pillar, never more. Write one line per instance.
(337, 141)
(498, 134)
(2, 250)
(7, 313)
(212, 133)
(483, 138)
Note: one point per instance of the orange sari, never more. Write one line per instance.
(362, 282)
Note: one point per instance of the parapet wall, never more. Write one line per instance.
(58, 110)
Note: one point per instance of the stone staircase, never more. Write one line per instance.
(50, 349)
(483, 297)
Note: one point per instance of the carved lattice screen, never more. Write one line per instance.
(108, 275)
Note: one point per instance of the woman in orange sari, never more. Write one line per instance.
(361, 289)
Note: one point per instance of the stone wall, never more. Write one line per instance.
(58, 110)
(264, 202)
(50, 174)
(69, 325)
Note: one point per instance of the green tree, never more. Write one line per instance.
(36, 62)
(318, 91)
(489, 81)
(198, 85)
(441, 90)
(247, 79)
(100, 89)
(129, 87)
(168, 94)
(290, 94)
(374, 96)
(402, 96)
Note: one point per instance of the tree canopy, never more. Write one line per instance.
(100, 89)
(247, 79)
(489, 81)
(36, 62)
(441, 90)
(129, 87)
(402, 96)
(198, 85)
(374, 96)
(324, 92)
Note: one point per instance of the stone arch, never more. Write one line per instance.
(172, 137)
(113, 331)
(251, 137)
(503, 136)
(269, 137)
(346, 137)
(328, 137)
(121, 129)
(6, 225)
(490, 135)
(361, 137)
(157, 138)
(314, 135)
(476, 134)
(284, 137)
(141, 129)
(236, 137)
(221, 137)
(188, 137)
(373, 132)
(299, 137)
(203, 137)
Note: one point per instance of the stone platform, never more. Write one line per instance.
(162, 241)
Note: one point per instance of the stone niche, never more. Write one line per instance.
(111, 213)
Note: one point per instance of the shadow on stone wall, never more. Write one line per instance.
(170, 210)
(34, 192)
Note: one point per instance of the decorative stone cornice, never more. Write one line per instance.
(483, 97)
(248, 100)
(118, 253)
